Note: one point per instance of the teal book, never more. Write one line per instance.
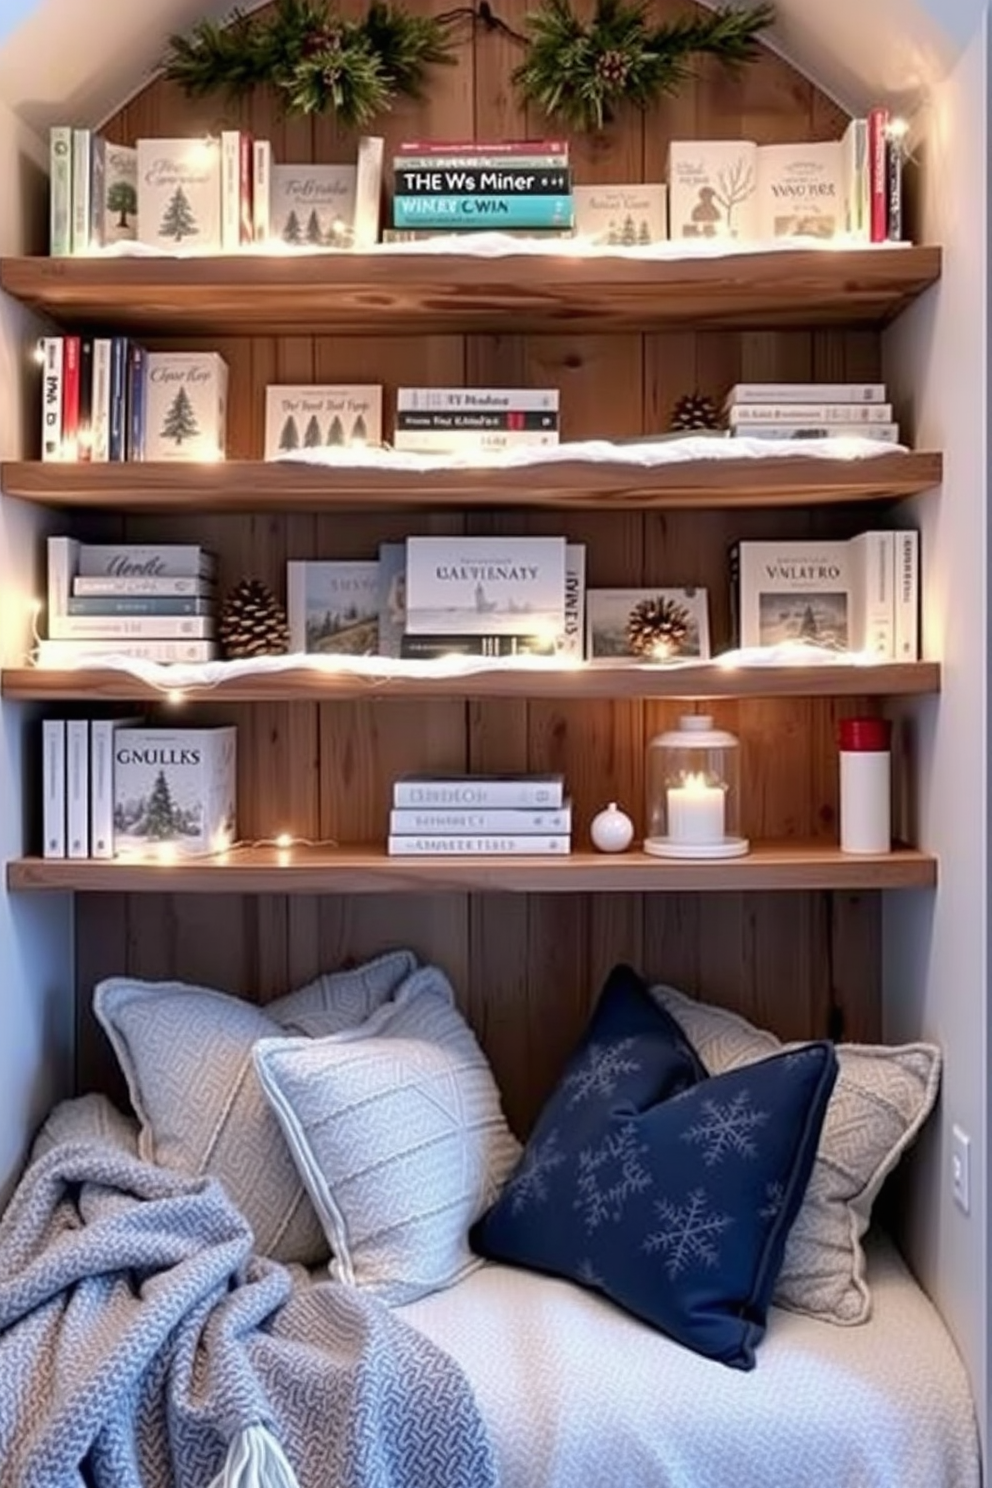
(482, 211)
(139, 604)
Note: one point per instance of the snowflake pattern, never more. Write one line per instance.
(727, 1128)
(775, 1200)
(689, 1233)
(529, 1184)
(619, 1153)
(600, 1071)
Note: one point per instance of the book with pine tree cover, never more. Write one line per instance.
(118, 200)
(485, 585)
(312, 206)
(175, 790)
(179, 194)
(712, 189)
(621, 216)
(321, 417)
(333, 607)
(801, 190)
(185, 414)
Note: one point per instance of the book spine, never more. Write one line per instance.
(479, 823)
(136, 402)
(878, 125)
(145, 560)
(425, 234)
(107, 605)
(53, 787)
(69, 653)
(454, 441)
(471, 149)
(515, 420)
(811, 413)
(70, 398)
(472, 212)
(506, 181)
(479, 846)
(573, 637)
(876, 605)
(477, 791)
(368, 192)
(246, 191)
(102, 787)
(893, 176)
(82, 189)
(63, 559)
(84, 443)
(482, 400)
(118, 398)
(78, 788)
(261, 192)
(60, 191)
(52, 390)
(883, 433)
(101, 399)
(98, 190)
(429, 647)
(128, 627)
(230, 190)
(806, 392)
(907, 596)
(150, 588)
(857, 204)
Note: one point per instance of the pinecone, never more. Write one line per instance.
(253, 622)
(613, 68)
(656, 628)
(695, 411)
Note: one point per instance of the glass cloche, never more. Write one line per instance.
(693, 788)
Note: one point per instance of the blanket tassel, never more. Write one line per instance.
(255, 1460)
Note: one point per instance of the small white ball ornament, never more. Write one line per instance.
(612, 830)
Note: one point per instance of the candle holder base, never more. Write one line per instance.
(665, 847)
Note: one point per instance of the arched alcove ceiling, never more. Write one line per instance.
(81, 59)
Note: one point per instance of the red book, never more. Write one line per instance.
(247, 188)
(480, 147)
(70, 399)
(878, 182)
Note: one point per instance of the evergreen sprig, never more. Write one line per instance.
(581, 73)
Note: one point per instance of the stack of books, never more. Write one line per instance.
(154, 603)
(810, 410)
(475, 815)
(107, 398)
(464, 421)
(518, 186)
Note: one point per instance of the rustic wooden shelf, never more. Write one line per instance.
(108, 684)
(249, 486)
(365, 294)
(367, 870)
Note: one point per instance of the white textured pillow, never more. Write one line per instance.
(882, 1097)
(186, 1054)
(397, 1130)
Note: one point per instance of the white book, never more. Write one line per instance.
(712, 189)
(230, 190)
(485, 585)
(463, 441)
(82, 188)
(810, 413)
(313, 206)
(61, 654)
(185, 405)
(368, 192)
(102, 732)
(529, 792)
(60, 191)
(98, 190)
(621, 216)
(131, 627)
(481, 846)
(907, 595)
(77, 788)
(321, 416)
(873, 606)
(53, 357)
(884, 433)
(857, 181)
(151, 588)
(63, 561)
(814, 591)
(801, 190)
(573, 641)
(144, 561)
(102, 354)
(477, 400)
(261, 160)
(53, 788)
(806, 392)
(509, 822)
(174, 789)
(119, 205)
(179, 196)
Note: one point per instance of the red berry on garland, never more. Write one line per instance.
(613, 68)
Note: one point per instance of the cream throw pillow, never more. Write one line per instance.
(882, 1097)
(398, 1132)
(185, 1052)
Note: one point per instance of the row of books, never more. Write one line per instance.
(469, 815)
(113, 786)
(812, 410)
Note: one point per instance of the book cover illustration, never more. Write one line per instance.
(313, 206)
(490, 585)
(797, 592)
(801, 190)
(334, 607)
(611, 621)
(120, 193)
(712, 186)
(392, 598)
(175, 789)
(321, 417)
(185, 406)
(621, 216)
(179, 194)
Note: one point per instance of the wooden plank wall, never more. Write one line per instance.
(526, 968)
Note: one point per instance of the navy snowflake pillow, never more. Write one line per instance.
(669, 1191)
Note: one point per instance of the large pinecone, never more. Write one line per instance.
(694, 411)
(253, 622)
(657, 627)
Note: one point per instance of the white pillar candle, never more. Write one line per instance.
(695, 812)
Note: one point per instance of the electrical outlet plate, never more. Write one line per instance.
(961, 1169)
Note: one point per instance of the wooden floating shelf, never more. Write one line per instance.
(388, 293)
(367, 870)
(296, 685)
(249, 486)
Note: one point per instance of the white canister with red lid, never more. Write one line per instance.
(866, 785)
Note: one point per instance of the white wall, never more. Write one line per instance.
(935, 947)
(35, 934)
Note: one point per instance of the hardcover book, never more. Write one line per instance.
(883, 433)
(392, 598)
(71, 653)
(175, 789)
(179, 194)
(610, 613)
(491, 212)
(185, 413)
(806, 392)
(60, 191)
(857, 184)
(801, 190)
(431, 647)
(621, 216)
(313, 206)
(526, 792)
(480, 845)
(321, 417)
(486, 585)
(476, 400)
(484, 820)
(333, 607)
(712, 189)
(119, 197)
(53, 774)
(809, 413)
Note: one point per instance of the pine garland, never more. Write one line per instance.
(581, 73)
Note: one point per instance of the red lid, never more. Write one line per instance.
(864, 734)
